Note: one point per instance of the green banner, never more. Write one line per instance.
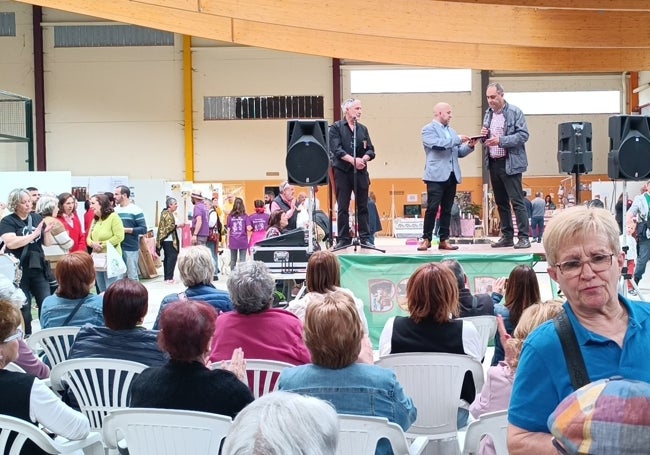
(380, 280)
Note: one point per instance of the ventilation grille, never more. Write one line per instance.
(7, 24)
(262, 107)
(110, 36)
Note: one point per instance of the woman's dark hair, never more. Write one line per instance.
(522, 291)
(125, 304)
(105, 206)
(75, 274)
(62, 198)
(186, 327)
(238, 208)
(274, 219)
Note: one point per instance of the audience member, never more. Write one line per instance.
(26, 358)
(48, 208)
(185, 382)
(200, 225)
(285, 201)
(237, 225)
(26, 397)
(496, 391)
(324, 276)
(432, 299)
(167, 238)
(135, 225)
(70, 220)
(34, 196)
(73, 304)
(613, 334)
(374, 221)
(629, 243)
(639, 212)
(261, 331)
(277, 223)
(125, 305)
(24, 234)
(261, 428)
(106, 228)
(521, 291)
(197, 269)
(215, 215)
(334, 336)
(259, 223)
(470, 305)
(548, 202)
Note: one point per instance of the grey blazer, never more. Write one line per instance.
(442, 152)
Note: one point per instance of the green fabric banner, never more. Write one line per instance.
(380, 280)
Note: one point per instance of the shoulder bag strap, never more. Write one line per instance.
(574, 360)
(74, 311)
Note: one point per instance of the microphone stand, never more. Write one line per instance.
(355, 239)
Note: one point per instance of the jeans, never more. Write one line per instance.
(507, 190)
(131, 260)
(212, 246)
(170, 255)
(439, 194)
(103, 281)
(537, 226)
(642, 259)
(34, 284)
(233, 257)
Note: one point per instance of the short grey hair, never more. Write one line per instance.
(345, 105)
(46, 205)
(15, 197)
(10, 293)
(195, 265)
(251, 287)
(497, 86)
(262, 426)
(170, 201)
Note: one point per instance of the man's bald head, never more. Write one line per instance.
(442, 113)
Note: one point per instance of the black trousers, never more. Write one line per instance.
(344, 187)
(33, 284)
(169, 259)
(439, 194)
(508, 190)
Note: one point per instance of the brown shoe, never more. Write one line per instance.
(424, 245)
(445, 245)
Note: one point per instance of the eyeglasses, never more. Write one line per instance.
(16, 336)
(597, 263)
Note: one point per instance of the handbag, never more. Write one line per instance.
(100, 261)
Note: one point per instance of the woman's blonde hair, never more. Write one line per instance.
(531, 318)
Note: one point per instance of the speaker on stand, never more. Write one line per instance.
(308, 161)
(574, 154)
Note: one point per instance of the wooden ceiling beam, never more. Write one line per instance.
(603, 5)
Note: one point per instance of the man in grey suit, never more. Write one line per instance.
(442, 147)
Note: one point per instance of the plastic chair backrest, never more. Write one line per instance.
(359, 435)
(493, 424)
(14, 433)
(261, 375)
(165, 431)
(487, 329)
(98, 385)
(54, 342)
(434, 382)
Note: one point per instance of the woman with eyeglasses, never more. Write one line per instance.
(612, 333)
(26, 397)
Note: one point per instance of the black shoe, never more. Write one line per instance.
(342, 244)
(522, 243)
(502, 243)
(367, 244)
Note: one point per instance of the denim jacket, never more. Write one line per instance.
(360, 389)
(500, 309)
(515, 135)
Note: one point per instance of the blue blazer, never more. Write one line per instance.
(442, 152)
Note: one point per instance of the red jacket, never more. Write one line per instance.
(75, 232)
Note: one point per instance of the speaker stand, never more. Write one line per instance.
(577, 178)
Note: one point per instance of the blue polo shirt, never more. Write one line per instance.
(542, 378)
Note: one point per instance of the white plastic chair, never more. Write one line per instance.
(13, 367)
(261, 375)
(434, 381)
(22, 431)
(487, 329)
(54, 342)
(98, 385)
(359, 435)
(492, 424)
(165, 431)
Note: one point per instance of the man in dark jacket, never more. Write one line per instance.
(470, 305)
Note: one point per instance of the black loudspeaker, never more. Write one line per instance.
(574, 154)
(629, 145)
(308, 158)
